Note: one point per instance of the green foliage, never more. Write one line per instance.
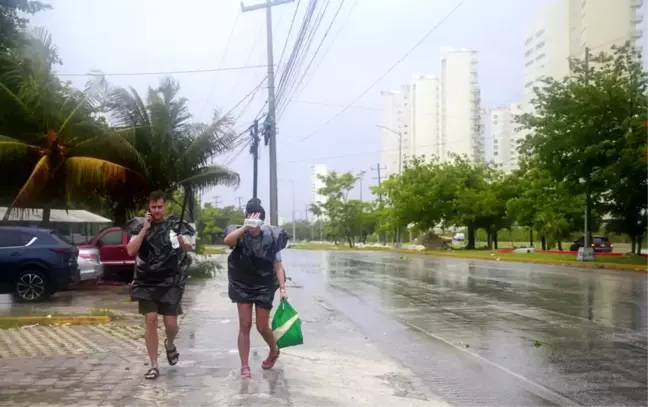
(587, 132)
(347, 219)
(13, 25)
(213, 221)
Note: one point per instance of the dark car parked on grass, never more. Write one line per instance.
(35, 262)
(599, 244)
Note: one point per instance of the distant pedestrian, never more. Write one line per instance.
(160, 275)
(255, 272)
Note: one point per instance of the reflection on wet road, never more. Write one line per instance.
(494, 333)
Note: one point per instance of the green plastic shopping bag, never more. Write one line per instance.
(286, 326)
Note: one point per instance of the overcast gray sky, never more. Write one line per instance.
(369, 36)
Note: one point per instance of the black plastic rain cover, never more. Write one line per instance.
(250, 266)
(160, 270)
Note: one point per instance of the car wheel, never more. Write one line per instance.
(32, 286)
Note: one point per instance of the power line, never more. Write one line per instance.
(395, 150)
(97, 73)
(317, 50)
(227, 45)
(310, 31)
(289, 70)
(337, 34)
(292, 22)
(425, 37)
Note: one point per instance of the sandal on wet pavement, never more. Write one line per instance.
(172, 354)
(245, 372)
(152, 374)
(271, 360)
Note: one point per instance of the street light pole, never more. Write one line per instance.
(400, 171)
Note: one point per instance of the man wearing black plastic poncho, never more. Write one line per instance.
(255, 272)
(161, 245)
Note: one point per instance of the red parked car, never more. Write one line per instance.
(111, 244)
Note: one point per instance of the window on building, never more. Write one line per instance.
(540, 45)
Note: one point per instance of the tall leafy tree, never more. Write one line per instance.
(50, 128)
(176, 151)
(587, 131)
(13, 22)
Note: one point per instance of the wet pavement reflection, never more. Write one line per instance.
(494, 333)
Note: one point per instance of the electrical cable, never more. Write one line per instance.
(227, 45)
(310, 63)
(374, 83)
(234, 68)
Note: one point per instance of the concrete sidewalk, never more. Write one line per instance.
(335, 367)
(104, 365)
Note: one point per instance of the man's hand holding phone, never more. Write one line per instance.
(148, 219)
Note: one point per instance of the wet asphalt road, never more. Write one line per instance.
(488, 333)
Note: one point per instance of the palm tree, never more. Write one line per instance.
(175, 150)
(51, 129)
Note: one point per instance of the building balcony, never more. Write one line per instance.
(637, 3)
(638, 18)
(638, 34)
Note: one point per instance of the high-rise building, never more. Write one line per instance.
(566, 27)
(424, 118)
(505, 138)
(396, 120)
(460, 105)
(318, 170)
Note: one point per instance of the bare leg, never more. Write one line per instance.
(151, 337)
(171, 329)
(245, 326)
(263, 326)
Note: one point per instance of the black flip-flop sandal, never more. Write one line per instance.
(152, 374)
(172, 354)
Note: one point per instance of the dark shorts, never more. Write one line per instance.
(148, 306)
(258, 304)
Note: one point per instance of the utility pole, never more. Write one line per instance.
(254, 150)
(272, 133)
(360, 176)
(380, 200)
(587, 253)
(216, 200)
(239, 198)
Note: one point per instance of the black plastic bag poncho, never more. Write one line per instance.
(250, 266)
(160, 270)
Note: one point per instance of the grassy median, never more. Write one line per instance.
(638, 263)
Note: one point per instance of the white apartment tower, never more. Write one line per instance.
(566, 27)
(424, 117)
(395, 130)
(505, 138)
(411, 113)
(316, 183)
(460, 105)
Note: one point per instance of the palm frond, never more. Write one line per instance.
(12, 149)
(85, 174)
(113, 148)
(212, 176)
(33, 188)
(210, 140)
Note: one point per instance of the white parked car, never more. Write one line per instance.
(89, 266)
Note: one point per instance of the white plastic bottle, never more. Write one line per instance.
(175, 243)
